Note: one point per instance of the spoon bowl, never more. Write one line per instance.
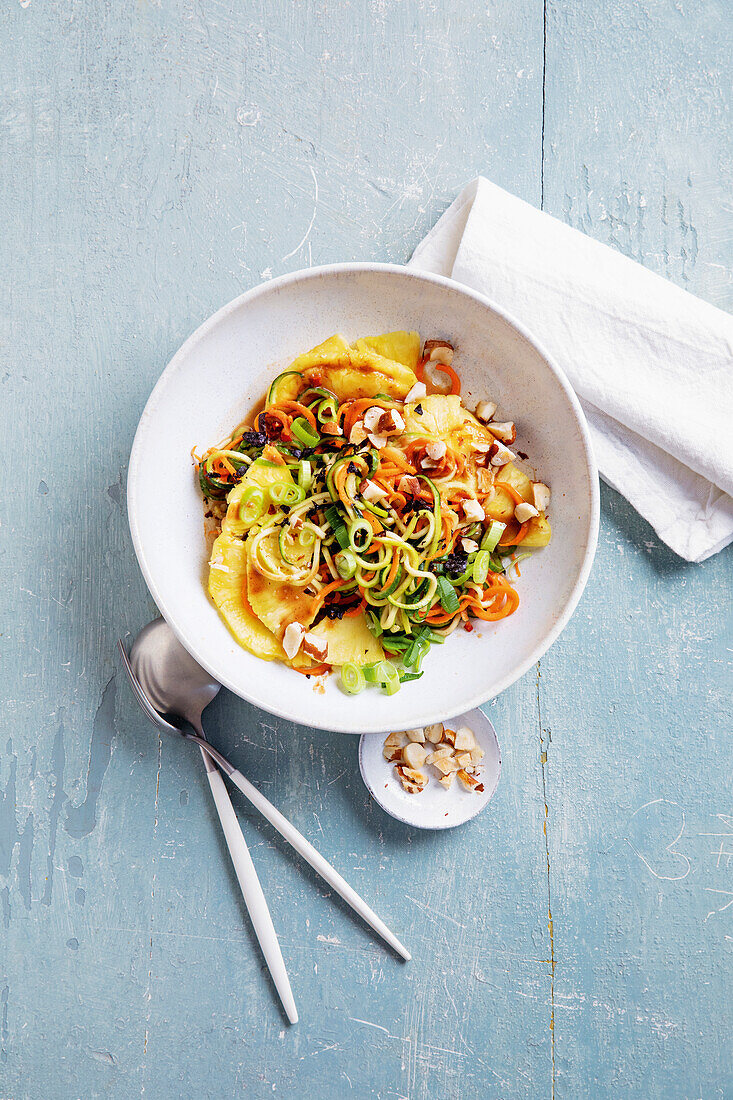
(173, 681)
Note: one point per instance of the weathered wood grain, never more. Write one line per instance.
(157, 159)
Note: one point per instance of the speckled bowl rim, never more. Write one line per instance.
(435, 714)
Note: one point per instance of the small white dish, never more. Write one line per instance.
(434, 807)
(219, 374)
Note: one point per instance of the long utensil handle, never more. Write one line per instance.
(311, 855)
(251, 890)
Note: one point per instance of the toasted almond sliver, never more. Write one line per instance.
(446, 764)
(477, 755)
(463, 759)
(392, 755)
(470, 782)
(465, 740)
(412, 781)
(434, 733)
(416, 735)
(449, 736)
(447, 780)
(395, 740)
(442, 750)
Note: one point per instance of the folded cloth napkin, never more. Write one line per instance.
(651, 364)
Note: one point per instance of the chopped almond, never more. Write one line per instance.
(470, 782)
(442, 750)
(472, 510)
(524, 512)
(293, 638)
(447, 780)
(414, 755)
(446, 764)
(372, 417)
(506, 431)
(396, 739)
(377, 441)
(434, 733)
(371, 491)
(449, 736)
(417, 393)
(416, 735)
(463, 759)
(477, 755)
(502, 455)
(412, 781)
(391, 755)
(485, 410)
(410, 485)
(315, 647)
(465, 740)
(540, 496)
(358, 433)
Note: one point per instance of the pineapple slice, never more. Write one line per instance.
(350, 641)
(352, 371)
(228, 590)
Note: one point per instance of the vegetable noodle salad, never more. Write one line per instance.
(364, 514)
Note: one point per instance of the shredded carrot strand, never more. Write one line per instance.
(325, 591)
(300, 410)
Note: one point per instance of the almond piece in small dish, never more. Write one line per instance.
(445, 764)
(465, 740)
(414, 755)
(412, 781)
(449, 736)
(470, 782)
(442, 751)
(395, 740)
(447, 780)
(416, 735)
(434, 733)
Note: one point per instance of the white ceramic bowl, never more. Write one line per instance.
(224, 368)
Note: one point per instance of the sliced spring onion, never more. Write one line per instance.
(481, 564)
(345, 562)
(492, 536)
(252, 505)
(371, 673)
(360, 535)
(352, 679)
(305, 474)
(303, 432)
(284, 492)
(447, 596)
(389, 677)
(407, 676)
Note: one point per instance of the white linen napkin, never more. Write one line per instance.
(651, 364)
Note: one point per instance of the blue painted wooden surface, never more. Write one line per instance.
(156, 159)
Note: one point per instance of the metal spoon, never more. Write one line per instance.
(168, 681)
